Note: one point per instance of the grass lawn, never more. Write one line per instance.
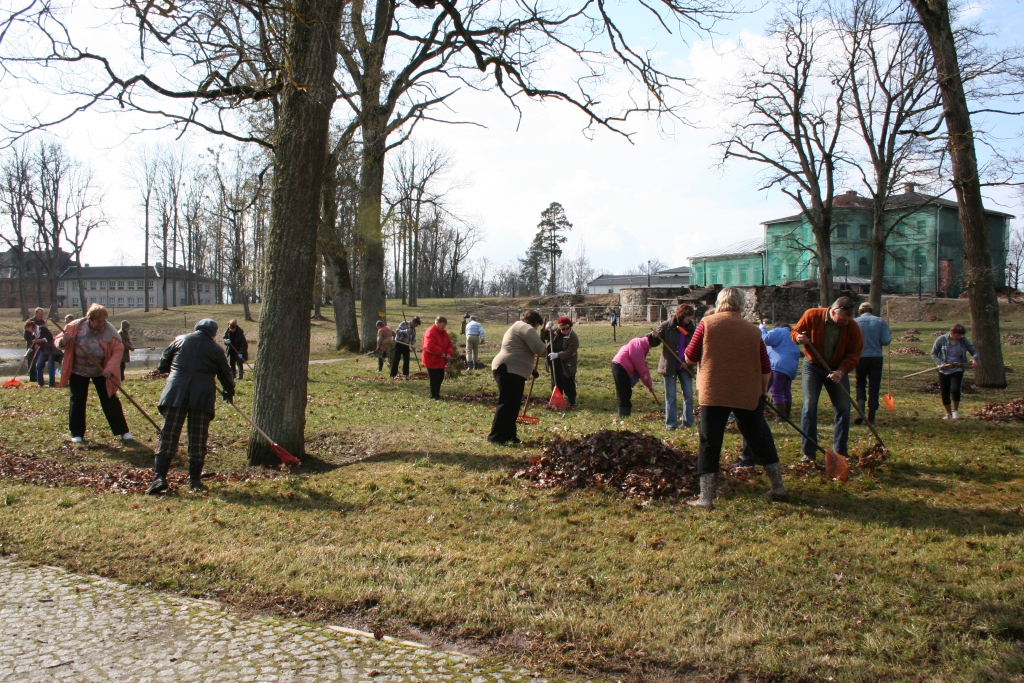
(405, 519)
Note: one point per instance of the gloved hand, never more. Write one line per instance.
(536, 374)
(764, 328)
(229, 396)
(553, 355)
(550, 325)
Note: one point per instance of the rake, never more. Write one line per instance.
(888, 401)
(836, 466)
(283, 455)
(524, 418)
(13, 381)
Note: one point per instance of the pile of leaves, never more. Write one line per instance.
(910, 336)
(1003, 412)
(967, 387)
(37, 471)
(154, 374)
(938, 333)
(909, 351)
(639, 465)
(1013, 339)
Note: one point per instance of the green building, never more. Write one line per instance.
(925, 251)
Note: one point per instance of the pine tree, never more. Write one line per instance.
(532, 271)
(550, 239)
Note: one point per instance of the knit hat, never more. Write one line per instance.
(124, 324)
(380, 323)
(207, 325)
(565, 321)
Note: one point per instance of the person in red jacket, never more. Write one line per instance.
(437, 351)
(837, 338)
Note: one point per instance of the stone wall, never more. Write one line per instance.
(778, 304)
(637, 304)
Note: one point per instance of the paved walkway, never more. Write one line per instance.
(56, 626)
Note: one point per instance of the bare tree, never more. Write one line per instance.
(1015, 261)
(142, 174)
(579, 270)
(791, 123)
(15, 192)
(337, 215)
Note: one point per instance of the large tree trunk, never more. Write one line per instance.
(22, 287)
(373, 294)
(279, 401)
(335, 255)
(877, 263)
(822, 228)
(984, 304)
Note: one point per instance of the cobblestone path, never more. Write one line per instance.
(56, 626)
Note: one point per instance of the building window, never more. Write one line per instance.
(865, 231)
(111, 285)
(103, 301)
(207, 288)
(120, 301)
(150, 301)
(120, 284)
(74, 301)
(60, 286)
(776, 240)
(92, 284)
(841, 231)
(727, 276)
(74, 285)
(131, 284)
(181, 302)
(922, 230)
(863, 267)
(151, 287)
(899, 263)
(842, 266)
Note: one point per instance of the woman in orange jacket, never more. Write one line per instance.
(437, 351)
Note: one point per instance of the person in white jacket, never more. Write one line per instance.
(474, 336)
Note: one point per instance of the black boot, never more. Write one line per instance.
(195, 474)
(160, 466)
(871, 415)
(859, 420)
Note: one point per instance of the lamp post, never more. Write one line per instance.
(648, 275)
(920, 270)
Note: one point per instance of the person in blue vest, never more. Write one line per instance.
(876, 334)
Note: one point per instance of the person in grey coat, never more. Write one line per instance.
(193, 360)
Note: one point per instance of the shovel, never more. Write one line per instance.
(13, 382)
(524, 418)
(821, 361)
(888, 401)
(282, 455)
(836, 466)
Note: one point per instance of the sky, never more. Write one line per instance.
(659, 195)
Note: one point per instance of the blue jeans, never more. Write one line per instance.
(815, 377)
(41, 359)
(671, 413)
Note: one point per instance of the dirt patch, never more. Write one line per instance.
(639, 465)
(909, 351)
(1003, 412)
(40, 472)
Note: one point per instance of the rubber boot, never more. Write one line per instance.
(160, 466)
(707, 493)
(778, 490)
(625, 412)
(195, 474)
(871, 416)
(859, 420)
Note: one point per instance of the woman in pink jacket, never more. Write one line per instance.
(92, 337)
(630, 366)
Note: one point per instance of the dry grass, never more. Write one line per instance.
(405, 518)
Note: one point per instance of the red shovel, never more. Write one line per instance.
(282, 455)
(13, 382)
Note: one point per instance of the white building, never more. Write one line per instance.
(613, 284)
(122, 287)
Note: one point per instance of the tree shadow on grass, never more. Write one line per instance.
(293, 499)
(475, 462)
(939, 479)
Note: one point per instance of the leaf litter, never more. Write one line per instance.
(638, 465)
(1003, 412)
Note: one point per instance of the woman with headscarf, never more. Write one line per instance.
(515, 362)
(92, 353)
(629, 366)
(562, 356)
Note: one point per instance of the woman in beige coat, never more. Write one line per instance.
(515, 362)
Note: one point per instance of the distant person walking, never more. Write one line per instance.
(92, 337)
(437, 351)
(837, 338)
(950, 353)
(676, 333)
(237, 347)
(43, 350)
(405, 342)
(563, 356)
(514, 363)
(474, 337)
(733, 379)
(629, 366)
(126, 339)
(384, 336)
(39, 318)
(876, 333)
(193, 361)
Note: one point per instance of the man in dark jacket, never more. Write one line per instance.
(238, 348)
(193, 361)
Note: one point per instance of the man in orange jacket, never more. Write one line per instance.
(837, 338)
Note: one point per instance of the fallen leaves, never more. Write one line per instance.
(40, 472)
(1003, 412)
(638, 465)
(910, 336)
(1013, 339)
(909, 351)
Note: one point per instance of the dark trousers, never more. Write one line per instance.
(198, 432)
(623, 390)
(754, 428)
(33, 356)
(111, 405)
(436, 377)
(41, 360)
(565, 383)
(123, 365)
(949, 386)
(381, 355)
(510, 396)
(401, 351)
(869, 380)
(237, 364)
(815, 378)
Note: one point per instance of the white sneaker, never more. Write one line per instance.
(127, 436)
(76, 439)
(947, 416)
(956, 414)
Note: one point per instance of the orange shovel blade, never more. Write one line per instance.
(557, 401)
(12, 383)
(836, 466)
(889, 402)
